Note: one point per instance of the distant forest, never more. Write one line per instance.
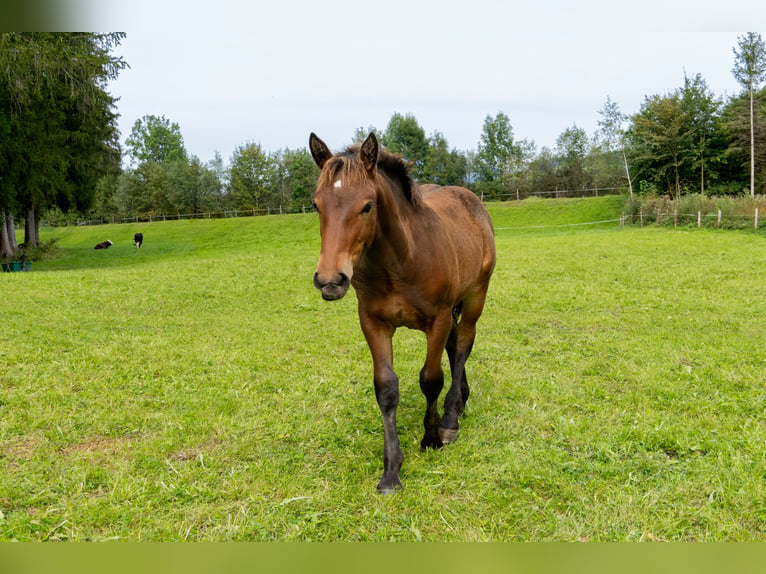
(60, 154)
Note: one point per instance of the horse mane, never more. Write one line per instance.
(348, 165)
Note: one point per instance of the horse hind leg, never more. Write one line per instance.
(431, 386)
(432, 380)
(452, 353)
(459, 346)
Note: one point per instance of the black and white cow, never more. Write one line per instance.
(104, 244)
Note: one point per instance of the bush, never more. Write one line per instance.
(43, 252)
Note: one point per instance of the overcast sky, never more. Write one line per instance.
(271, 72)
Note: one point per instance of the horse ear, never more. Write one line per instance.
(319, 150)
(369, 152)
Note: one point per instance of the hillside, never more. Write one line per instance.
(167, 240)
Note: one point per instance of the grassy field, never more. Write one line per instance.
(200, 389)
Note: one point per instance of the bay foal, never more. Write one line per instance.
(417, 256)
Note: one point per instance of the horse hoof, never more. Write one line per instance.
(385, 490)
(448, 435)
(434, 443)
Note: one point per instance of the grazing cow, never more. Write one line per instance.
(104, 244)
(138, 239)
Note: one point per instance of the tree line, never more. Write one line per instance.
(60, 154)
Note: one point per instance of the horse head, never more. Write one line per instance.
(345, 199)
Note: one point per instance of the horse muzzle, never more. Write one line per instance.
(332, 289)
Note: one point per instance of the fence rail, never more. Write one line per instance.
(148, 218)
(557, 193)
(661, 217)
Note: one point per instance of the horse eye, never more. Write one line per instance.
(314, 205)
(367, 207)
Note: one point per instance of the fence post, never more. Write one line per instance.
(756, 219)
(719, 218)
(699, 218)
(675, 218)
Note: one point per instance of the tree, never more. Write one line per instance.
(542, 170)
(208, 187)
(700, 109)
(249, 177)
(155, 139)
(163, 178)
(276, 181)
(360, 134)
(59, 133)
(302, 174)
(104, 202)
(676, 141)
(740, 154)
(572, 146)
(404, 136)
(610, 134)
(611, 139)
(443, 166)
(750, 70)
(658, 136)
(520, 166)
(496, 153)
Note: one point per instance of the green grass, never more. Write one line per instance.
(200, 389)
(535, 213)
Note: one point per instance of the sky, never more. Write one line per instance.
(271, 72)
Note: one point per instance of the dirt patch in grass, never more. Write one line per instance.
(21, 448)
(98, 446)
(194, 452)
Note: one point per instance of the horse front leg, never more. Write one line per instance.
(379, 339)
(387, 394)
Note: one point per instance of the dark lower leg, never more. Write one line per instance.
(432, 377)
(454, 402)
(431, 387)
(387, 394)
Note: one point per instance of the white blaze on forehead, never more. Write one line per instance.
(338, 184)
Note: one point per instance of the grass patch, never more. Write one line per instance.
(200, 389)
(536, 213)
